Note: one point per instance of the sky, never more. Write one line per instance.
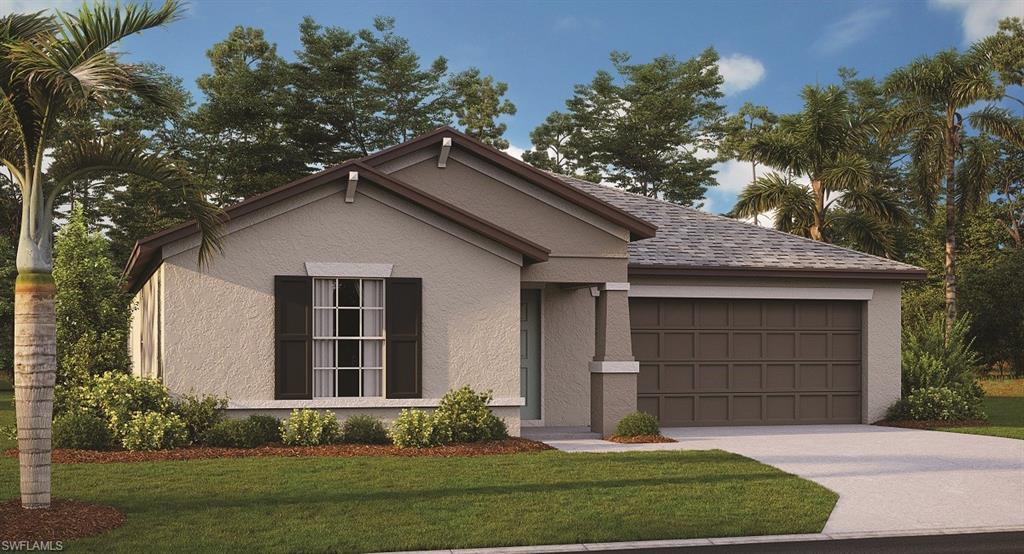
(769, 49)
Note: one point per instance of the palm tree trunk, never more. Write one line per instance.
(949, 266)
(819, 210)
(35, 371)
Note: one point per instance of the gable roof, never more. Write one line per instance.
(146, 255)
(692, 242)
(637, 226)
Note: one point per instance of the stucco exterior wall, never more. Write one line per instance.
(144, 339)
(880, 336)
(567, 350)
(219, 322)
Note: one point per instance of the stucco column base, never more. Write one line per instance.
(612, 397)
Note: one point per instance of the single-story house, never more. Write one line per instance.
(383, 282)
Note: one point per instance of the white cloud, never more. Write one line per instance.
(740, 72)
(855, 27)
(30, 6)
(515, 151)
(733, 175)
(981, 17)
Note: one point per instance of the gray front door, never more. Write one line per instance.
(529, 352)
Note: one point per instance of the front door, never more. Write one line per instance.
(529, 352)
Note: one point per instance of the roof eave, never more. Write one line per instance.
(915, 274)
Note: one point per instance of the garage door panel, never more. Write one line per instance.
(643, 313)
(742, 362)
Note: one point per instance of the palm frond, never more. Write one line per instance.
(792, 203)
(999, 122)
(974, 178)
(876, 202)
(83, 160)
(861, 231)
(848, 172)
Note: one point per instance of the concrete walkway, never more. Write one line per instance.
(887, 479)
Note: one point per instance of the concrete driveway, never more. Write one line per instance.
(888, 479)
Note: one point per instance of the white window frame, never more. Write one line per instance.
(361, 338)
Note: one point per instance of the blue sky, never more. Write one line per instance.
(769, 49)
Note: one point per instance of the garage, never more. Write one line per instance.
(748, 362)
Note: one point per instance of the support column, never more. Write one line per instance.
(613, 372)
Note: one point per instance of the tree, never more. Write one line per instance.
(649, 129)
(51, 69)
(844, 203)
(931, 94)
(743, 128)
(480, 102)
(92, 308)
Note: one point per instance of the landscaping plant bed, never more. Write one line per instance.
(63, 520)
(507, 446)
(640, 439)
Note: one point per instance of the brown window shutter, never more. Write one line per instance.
(293, 337)
(404, 328)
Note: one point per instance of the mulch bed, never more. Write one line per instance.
(931, 424)
(63, 520)
(640, 439)
(507, 446)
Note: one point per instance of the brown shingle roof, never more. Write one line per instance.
(689, 240)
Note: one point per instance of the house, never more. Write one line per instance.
(383, 282)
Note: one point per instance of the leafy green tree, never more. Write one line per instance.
(931, 94)
(742, 129)
(8, 272)
(480, 102)
(648, 129)
(844, 203)
(1004, 51)
(242, 146)
(53, 68)
(91, 306)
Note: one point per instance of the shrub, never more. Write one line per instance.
(363, 429)
(937, 404)
(199, 413)
(463, 416)
(310, 428)
(253, 431)
(413, 429)
(113, 396)
(637, 424)
(153, 431)
(930, 360)
(83, 431)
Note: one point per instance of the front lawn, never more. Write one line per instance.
(371, 503)
(1005, 418)
(6, 417)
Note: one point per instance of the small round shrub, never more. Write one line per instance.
(937, 404)
(413, 429)
(153, 431)
(199, 413)
(310, 428)
(265, 429)
(253, 431)
(637, 424)
(364, 429)
(464, 416)
(82, 431)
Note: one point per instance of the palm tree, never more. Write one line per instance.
(825, 142)
(53, 68)
(931, 94)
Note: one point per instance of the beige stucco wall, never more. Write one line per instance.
(567, 350)
(144, 340)
(219, 323)
(880, 338)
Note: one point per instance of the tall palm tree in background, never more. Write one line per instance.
(931, 94)
(53, 68)
(824, 142)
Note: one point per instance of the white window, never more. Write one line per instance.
(348, 337)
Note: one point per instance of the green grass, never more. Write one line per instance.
(6, 417)
(1005, 418)
(369, 504)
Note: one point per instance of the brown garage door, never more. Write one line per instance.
(747, 362)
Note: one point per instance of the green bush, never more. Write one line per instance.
(930, 360)
(253, 431)
(153, 431)
(637, 424)
(364, 429)
(413, 429)
(199, 413)
(83, 431)
(113, 396)
(937, 404)
(310, 428)
(463, 416)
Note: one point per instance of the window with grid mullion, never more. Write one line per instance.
(348, 337)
